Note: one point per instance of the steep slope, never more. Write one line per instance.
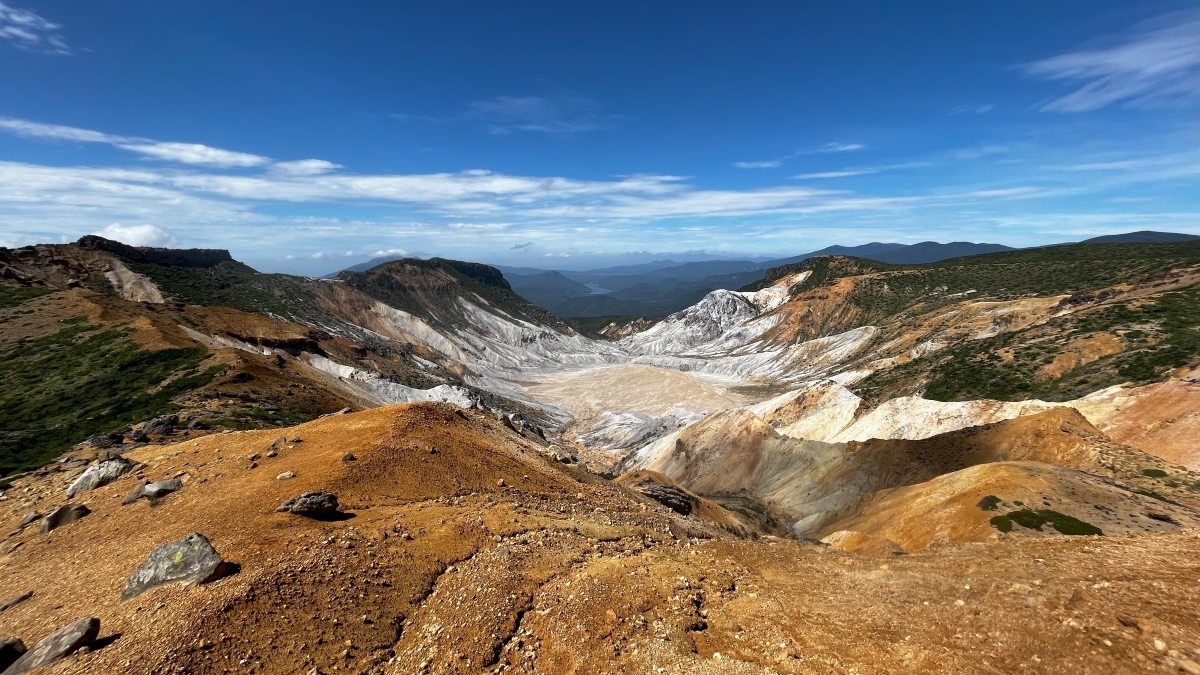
(812, 483)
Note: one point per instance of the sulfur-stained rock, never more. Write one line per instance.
(191, 560)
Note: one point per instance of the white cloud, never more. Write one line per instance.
(304, 167)
(55, 131)
(840, 147)
(194, 153)
(554, 115)
(139, 235)
(836, 174)
(977, 109)
(770, 164)
(28, 31)
(391, 251)
(1156, 64)
(184, 153)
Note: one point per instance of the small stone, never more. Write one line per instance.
(63, 515)
(348, 457)
(272, 453)
(253, 465)
(278, 443)
(254, 457)
(286, 475)
(191, 560)
(28, 519)
(315, 503)
(14, 601)
(500, 483)
(57, 645)
(1160, 645)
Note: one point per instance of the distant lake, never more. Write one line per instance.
(597, 290)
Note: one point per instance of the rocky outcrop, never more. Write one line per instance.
(191, 560)
(169, 257)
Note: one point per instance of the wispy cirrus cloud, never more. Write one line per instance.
(479, 214)
(837, 174)
(184, 153)
(778, 162)
(549, 115)
(1155, 64)
(28, 31)
(976, 109)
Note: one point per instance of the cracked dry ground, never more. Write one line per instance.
(441, 568)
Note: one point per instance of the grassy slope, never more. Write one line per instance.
(59, 389)
(1158, 335)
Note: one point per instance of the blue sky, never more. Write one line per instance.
(308, 136)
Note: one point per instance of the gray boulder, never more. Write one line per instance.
(191, 560)
(67, 513)
(57, 645)
(10, 650)
(161, 425)
(316, 503)
(14, 601)
(98, 475)
(153, 490)
(105, 440)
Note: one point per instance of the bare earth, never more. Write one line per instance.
(485, 557)
(655, 391)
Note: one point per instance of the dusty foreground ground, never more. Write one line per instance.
(463, 550)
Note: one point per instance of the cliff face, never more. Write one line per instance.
(173, 257)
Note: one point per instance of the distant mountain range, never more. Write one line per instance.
(661, 287)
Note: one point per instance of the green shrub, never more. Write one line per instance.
(1035, 519)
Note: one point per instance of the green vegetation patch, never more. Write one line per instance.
(84, 380)
(1154, 473)
(1034, 519)
(989, 503)
(1158, 335)
(11, 296)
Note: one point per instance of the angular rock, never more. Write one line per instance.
(191, 560)
(10, 650)
(15, 600)
(348, 457)
(98, 475)
(27, 519)
(560, 455)
(135, 494)
(286, 475)
(57, 645)
(315, 503)
(137, 436)
(67, 513)
(669, 496)
(162, 488)
(278, 443)
(161, 425)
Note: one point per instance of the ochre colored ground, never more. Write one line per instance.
(465, 551)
